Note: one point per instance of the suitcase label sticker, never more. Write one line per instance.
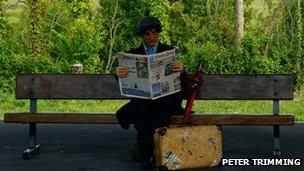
(172, 159)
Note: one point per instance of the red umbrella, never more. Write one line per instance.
(193, 92)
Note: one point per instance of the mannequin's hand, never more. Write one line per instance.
(122, 71)
(177, 66)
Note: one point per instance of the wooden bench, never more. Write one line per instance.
(214, 87)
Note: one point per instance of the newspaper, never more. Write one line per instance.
(150, 76)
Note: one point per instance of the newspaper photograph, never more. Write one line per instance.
(150, 76)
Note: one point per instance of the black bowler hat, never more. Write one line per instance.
(148, 22)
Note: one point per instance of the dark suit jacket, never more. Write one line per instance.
(138, 110)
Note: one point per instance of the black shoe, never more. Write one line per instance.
(147, 164)
(136, 154)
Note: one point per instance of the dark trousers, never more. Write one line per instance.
(147, 115)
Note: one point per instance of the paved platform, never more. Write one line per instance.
(106, 147)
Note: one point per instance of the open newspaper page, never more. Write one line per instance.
(150, 77)
(136, 84)
(163, 80)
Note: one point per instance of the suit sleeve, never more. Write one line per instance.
(184, 80)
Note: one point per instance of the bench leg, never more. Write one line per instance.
(34, 148)
(276, 131)
(276, 143)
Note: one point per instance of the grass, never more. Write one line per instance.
(10, 104)
(295, 107)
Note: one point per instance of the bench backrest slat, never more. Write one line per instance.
(67, 86)
(247, 87)
(103, 86)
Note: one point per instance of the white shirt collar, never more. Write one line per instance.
(146, 49)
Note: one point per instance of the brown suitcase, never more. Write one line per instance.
(184, 147)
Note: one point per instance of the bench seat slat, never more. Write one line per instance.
(237, 119)
(79, 118)
(84, 118)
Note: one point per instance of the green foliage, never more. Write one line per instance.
(70, 31)
(11, 65)
(93, 31)
(3, 22)
(285, 45)
(4, 28)
(92, 65)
